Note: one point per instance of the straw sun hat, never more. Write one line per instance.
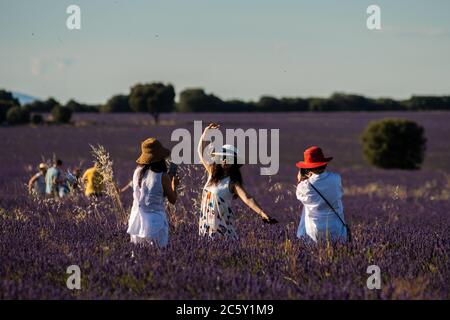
(152, 151)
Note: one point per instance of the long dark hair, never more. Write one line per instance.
(159, 166)
(217, 173)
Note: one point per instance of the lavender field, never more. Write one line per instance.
(400, 219)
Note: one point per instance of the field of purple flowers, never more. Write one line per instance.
(400, 219)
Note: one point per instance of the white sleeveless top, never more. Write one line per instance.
(216, 217)
(148, 213)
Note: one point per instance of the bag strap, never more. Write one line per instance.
(329, 204)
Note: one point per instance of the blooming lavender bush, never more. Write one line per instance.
(400, 220)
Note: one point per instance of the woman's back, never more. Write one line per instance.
(149, 195)
(318, 218)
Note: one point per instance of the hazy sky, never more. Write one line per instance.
(233, 48)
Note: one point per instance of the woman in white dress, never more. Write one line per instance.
(320, 192)
(224, 184)
(151, 185)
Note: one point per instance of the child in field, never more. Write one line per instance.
(92, 181)
(320, 192)
(36, 185)
(151, 185)
(224, 183)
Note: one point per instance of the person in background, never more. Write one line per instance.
(92, 181)
(223, 185)
(54, 180)
(73, 178)
(151, 186)
(320, 192)
(36, 185)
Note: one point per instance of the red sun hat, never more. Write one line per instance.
(313, 158)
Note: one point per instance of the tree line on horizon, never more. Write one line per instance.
(156, 98)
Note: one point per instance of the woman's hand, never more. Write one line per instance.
(211, 126)
(269, 220)
(301, 177)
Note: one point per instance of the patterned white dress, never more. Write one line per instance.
(148, 219)
(216, 217)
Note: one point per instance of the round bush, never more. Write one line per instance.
(394, 144)
(61, 114)
(17, 115)
(36, 118)
(4, 107)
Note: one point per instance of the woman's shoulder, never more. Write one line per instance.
(334, 176)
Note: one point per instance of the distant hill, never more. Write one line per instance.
(24, 98)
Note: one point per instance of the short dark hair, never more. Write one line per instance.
(58, 162)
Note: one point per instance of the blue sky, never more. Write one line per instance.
(233, 48)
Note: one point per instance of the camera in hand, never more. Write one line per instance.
(304, 173)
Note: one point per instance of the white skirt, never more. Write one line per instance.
(149, 227)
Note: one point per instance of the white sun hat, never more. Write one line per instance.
(229, 151)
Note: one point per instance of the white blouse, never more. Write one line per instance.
(318, 220)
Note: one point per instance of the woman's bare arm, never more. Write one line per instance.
(128, 186)
(251, 203)
(170, 187)
(202, 146)
(32, 180)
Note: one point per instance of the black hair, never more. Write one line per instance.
(306, 171)
(159, 166)
(58, 162)
(217, 173)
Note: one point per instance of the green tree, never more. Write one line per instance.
(61, 114)
(36, 118)
(394, 144)
(42, 106)
(17, 115)
(7, 101)
(154, 98)
(196, 100)
(5, 106)
(117, 103)
(268, 103)
(8, 96)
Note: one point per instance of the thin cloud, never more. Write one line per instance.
(40, 66)
(419, 32)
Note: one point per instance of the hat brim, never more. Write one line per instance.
(312, 165)
(146, 158)
(231, 155)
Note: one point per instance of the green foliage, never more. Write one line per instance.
(7, 101)
(394, 144)
(153, 98)
(428, 103)
(42, 106)
(36, 118)
(196, 100)
(75, 106)
(61, 114)
(8, 96)
(118, 103)
(17, 115)
(4, 107)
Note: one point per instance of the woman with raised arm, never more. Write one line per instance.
(224, 183)
(151, 185)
